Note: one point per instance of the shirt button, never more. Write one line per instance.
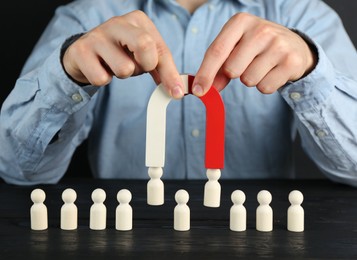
(295, 96)
(76, 97)
(211, 7)
(194, 30)
(195, 133)
(321, 133)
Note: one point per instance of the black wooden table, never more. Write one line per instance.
(330, 223)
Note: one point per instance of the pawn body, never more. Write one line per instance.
(181, 211)
(155, 187)
(212, 190)
(238, 213)
(98, 211)
(69, 211)
(295, 212)
(264, 213)
(38, 211)
(124, 212)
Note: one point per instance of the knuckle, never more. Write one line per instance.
(101, 79)
(136, 17)
(293, 61)
(265, 31)
(125, 71)
(230, 72)
(78, 49)
(149, 66)
(247, 81)
(202, 80)
(217, 49)
(162, 50)
(281, 46)
(139, 14)
(94, 37)
(265, 88)
(145, 42)
(114, 20)
(241, 17)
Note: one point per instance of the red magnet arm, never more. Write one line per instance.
(215, 124)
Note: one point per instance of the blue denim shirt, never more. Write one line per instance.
(260, 128)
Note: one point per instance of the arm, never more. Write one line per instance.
(317, 79)
(326, 110)
(44, 107)
(48, 114)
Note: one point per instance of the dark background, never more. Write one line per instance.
(23, 22)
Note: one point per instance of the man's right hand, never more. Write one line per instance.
(123, 46)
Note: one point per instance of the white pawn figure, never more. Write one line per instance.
(98, 211)
(181, 211)
(155, 187)
(212, 192)
(238, 213)
(264, 213)
(69, 211)
(124, 212)
(296, 212)
(38, 211)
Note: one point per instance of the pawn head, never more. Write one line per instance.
(124, 196)
(238, 197)
(264, 197)
(38, 196)
(181, 196)
(155, 172)
(69, 195)
(98, 195)
(296, 197)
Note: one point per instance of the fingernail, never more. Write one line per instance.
(177, 92)
(197, 90)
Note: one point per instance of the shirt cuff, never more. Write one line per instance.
(314, 89)
(58, 90)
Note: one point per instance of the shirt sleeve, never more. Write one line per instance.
(325, 101)
(44, 104)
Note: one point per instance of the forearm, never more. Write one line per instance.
(47, 115)
(44, 104)
(325, 101)
(325, 105)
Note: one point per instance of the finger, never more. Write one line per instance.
(166, 67)
(156, 77)
(138, 43)
(169, 76)
(220, 81)
(89, 69)
(216, 55)
(242, 56)
(259, 68)
(117, 60)
(275, 79)
(143, 47)
(152, 53)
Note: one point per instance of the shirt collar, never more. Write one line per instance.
(244, 2)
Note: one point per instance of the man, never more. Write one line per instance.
(87, 78)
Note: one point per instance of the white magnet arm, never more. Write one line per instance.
(156, 125)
